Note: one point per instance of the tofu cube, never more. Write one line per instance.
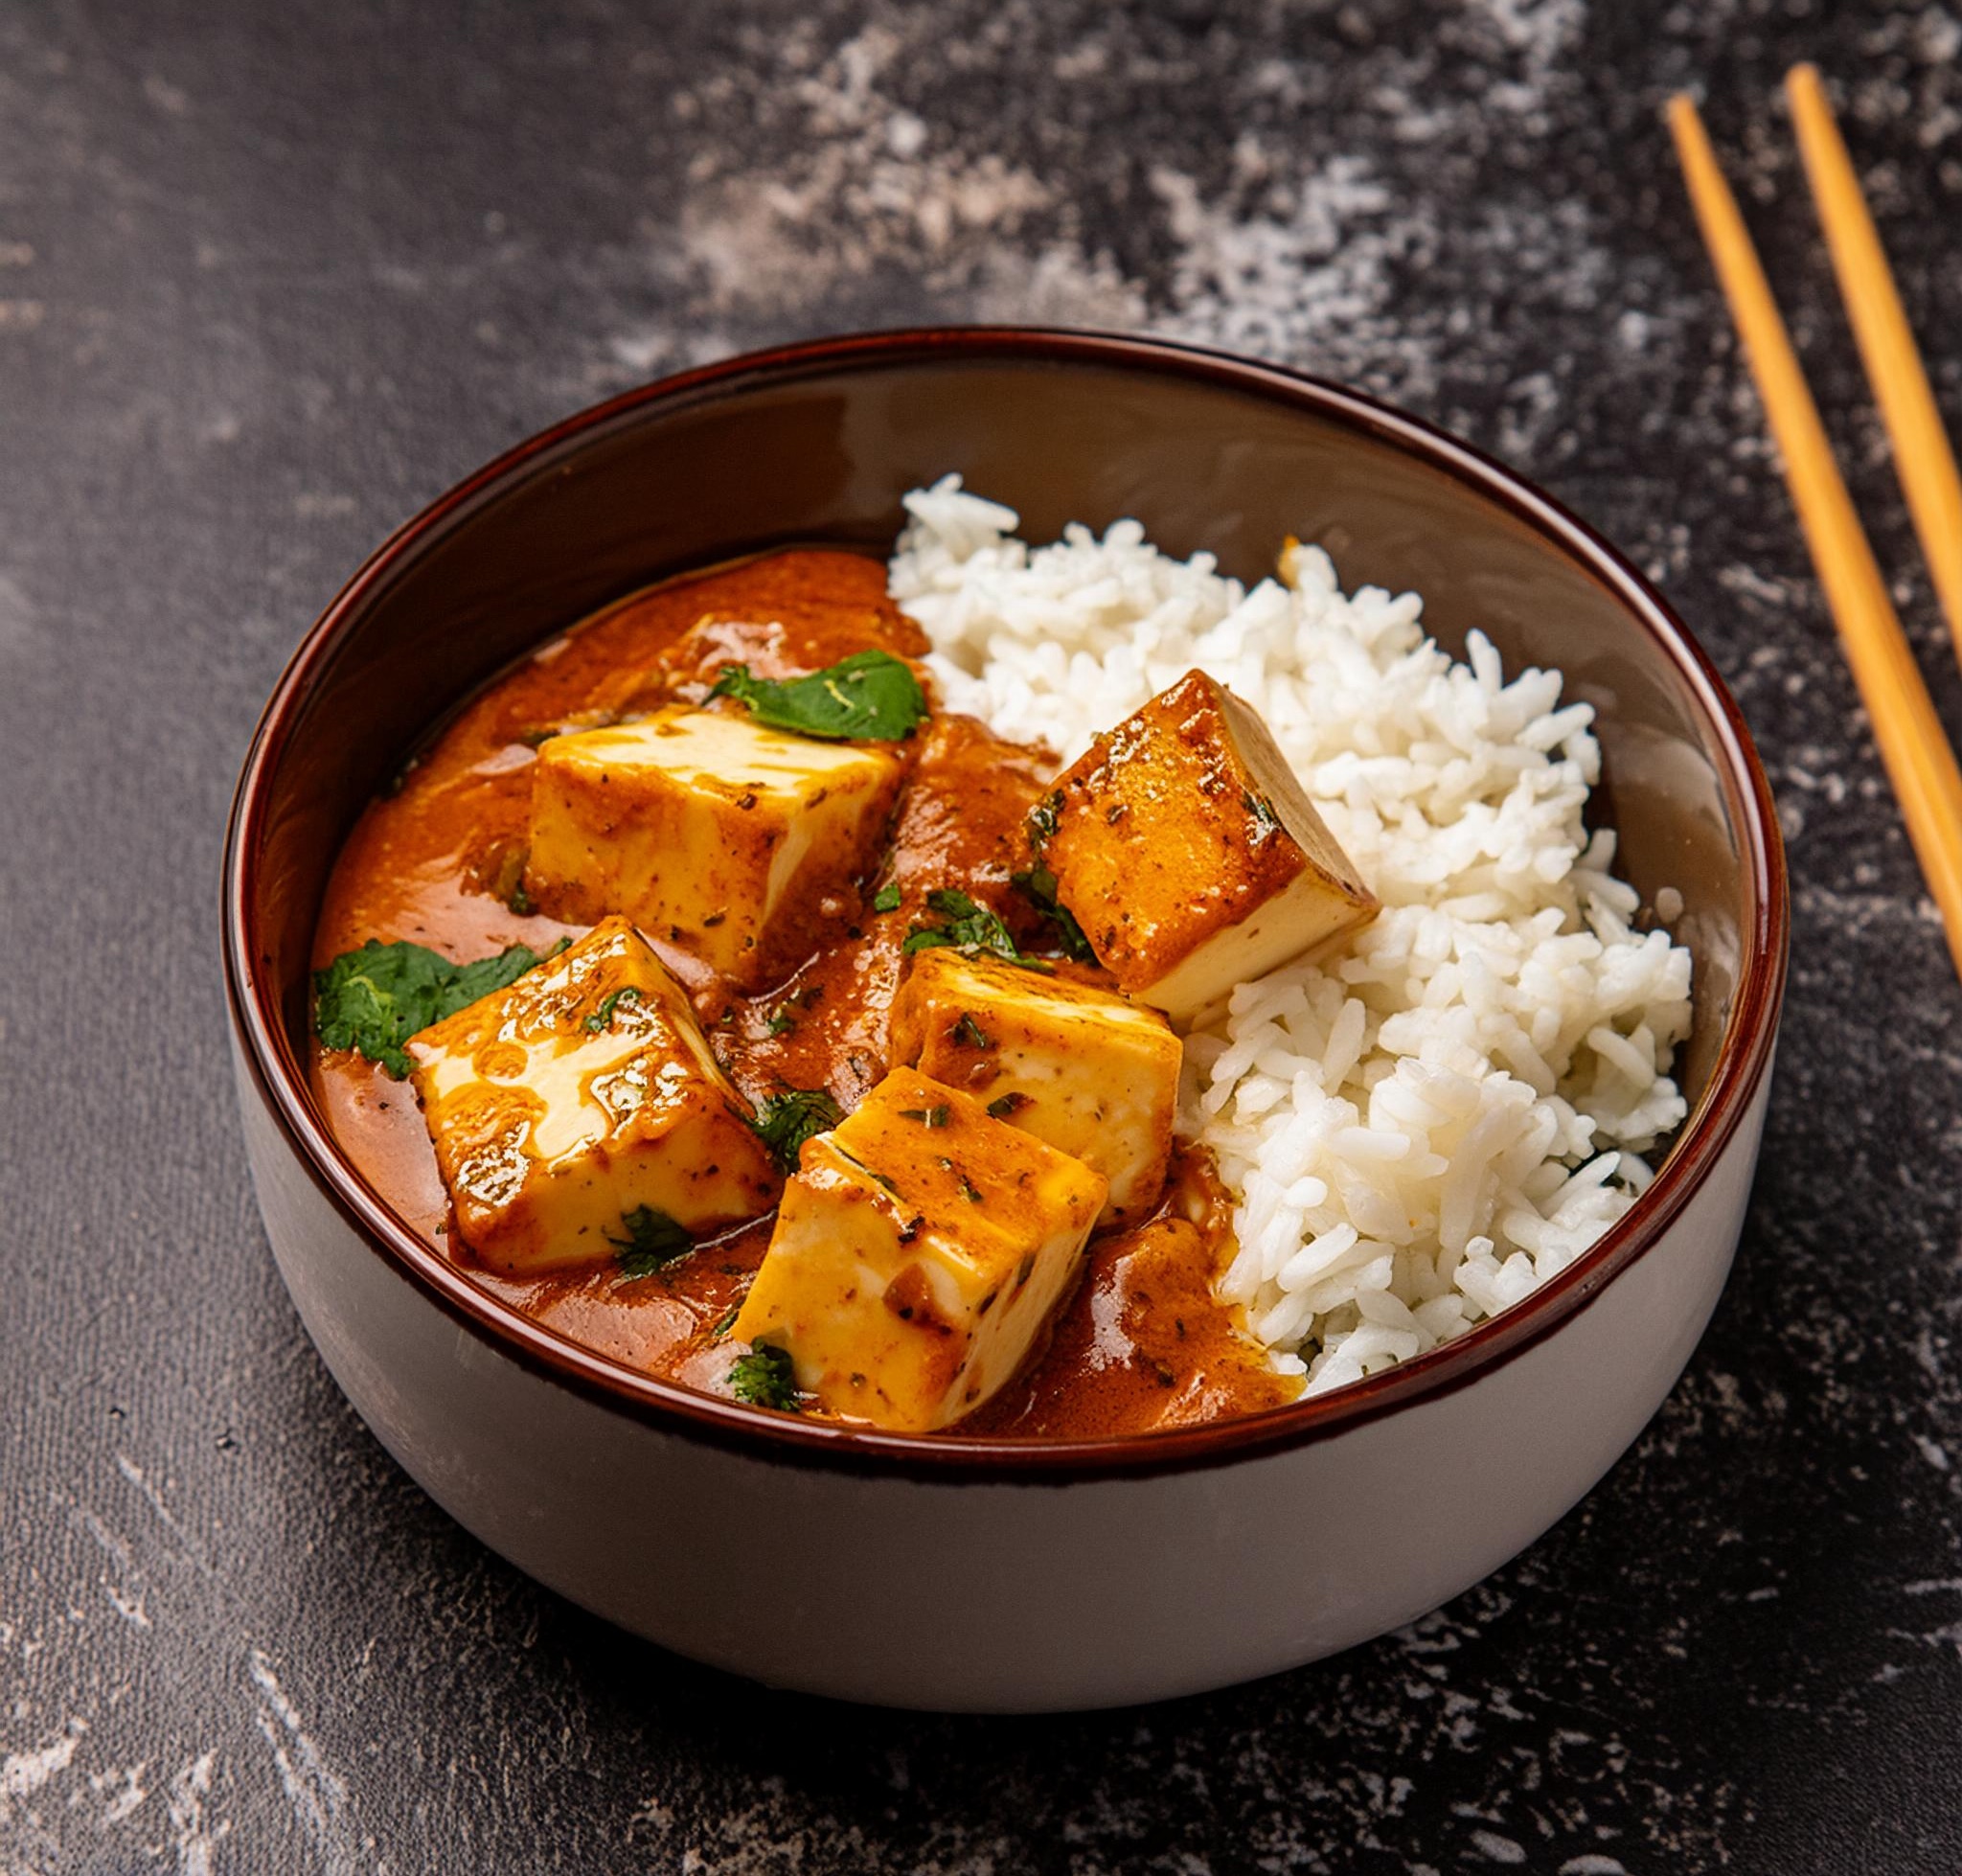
(578, 1095)
(919, 1252)
(1089, 1074)
(708, 830)
(1191, 855)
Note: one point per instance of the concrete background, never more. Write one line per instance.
(272, 277)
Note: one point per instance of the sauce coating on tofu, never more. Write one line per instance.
(442, 860)
(1191, 855)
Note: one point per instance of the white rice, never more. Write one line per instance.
(1421, 1128)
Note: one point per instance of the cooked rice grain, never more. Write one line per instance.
(1423, 1127)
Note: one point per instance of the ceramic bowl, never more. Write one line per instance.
(958, 1573)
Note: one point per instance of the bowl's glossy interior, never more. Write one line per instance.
(820, 443)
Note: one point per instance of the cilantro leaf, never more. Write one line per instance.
(1043, 818)
(602, 1018)
(374, 999)
(870, 696)
(970, 927)
(653, 1241)
(765, 1377)
(1262, 810)
(785, 1121)
(887, 898)
(1038, 885)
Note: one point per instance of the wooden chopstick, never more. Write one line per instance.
(1922, 458)
(1919, 761)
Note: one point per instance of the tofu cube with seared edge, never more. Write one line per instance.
(578, 1114)
(1089, 1074)
(1191, 856)
(708, 830)
(919, 1252)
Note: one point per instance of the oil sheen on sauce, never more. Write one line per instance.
(1142, 1343)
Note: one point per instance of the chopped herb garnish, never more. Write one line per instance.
(1043, 817)
(970, 1034)
(727, 1322)
(603, 1015)
(879, 1179)
(653, 1241)
(765, 1378)
(870, 696)
(1004, 1104)
(374, 999)
(925, 1116)
(785, 1121)
(1259, 807)
(1038, 885)
(970, 927)
(784, 1019)
(887, 898)
(969, 1192)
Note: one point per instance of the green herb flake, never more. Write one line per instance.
(878, 1178)
(968, 1191)
(785, 1121)
(765, 1378)
(374, 999)
(784, 1019)
(1043, 818)
(1038, 885)
(602, 1018)
(1005, 1104)
(1261, 808)
(970, 1034)
(870, 696)
(970, 927)
(727, 1322)
(653, 1241)
(886, 899)
(925, 1116)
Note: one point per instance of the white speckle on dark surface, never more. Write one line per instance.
(270, 278)
(317, 1793)
(23, 1774)
(194, 1838)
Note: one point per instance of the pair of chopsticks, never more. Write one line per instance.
(1919, 761)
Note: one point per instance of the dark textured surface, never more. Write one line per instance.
(272, 277)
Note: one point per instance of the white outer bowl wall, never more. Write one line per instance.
(977, 1595)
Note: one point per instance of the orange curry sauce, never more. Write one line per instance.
(1141, 1343)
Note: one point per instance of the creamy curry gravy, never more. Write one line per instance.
(1141, 1344)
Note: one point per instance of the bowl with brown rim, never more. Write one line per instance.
(947, 1571)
